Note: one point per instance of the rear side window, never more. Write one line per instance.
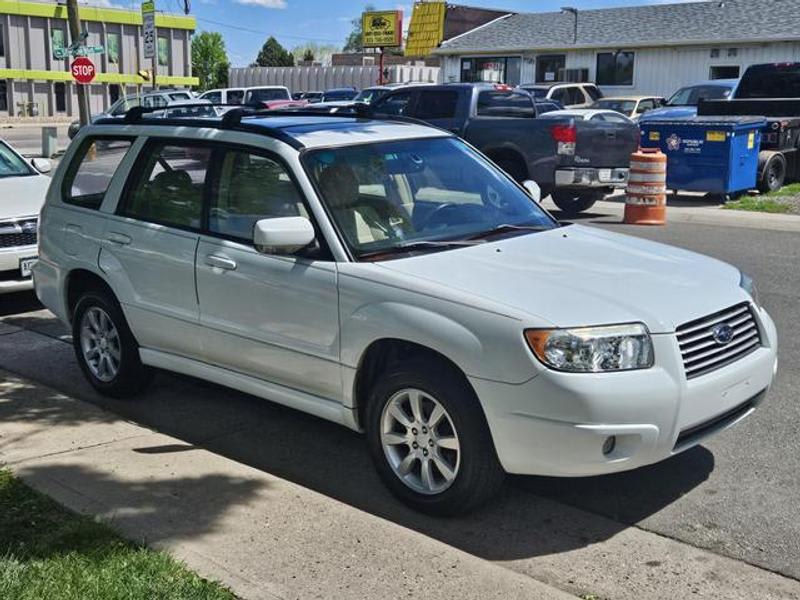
(235, 96)
(394, 104)
(92, 169)
(213, 97)
(505, 104)
(593, 92)
(436, 105)
(169, 185)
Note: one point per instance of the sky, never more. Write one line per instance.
(246, 24)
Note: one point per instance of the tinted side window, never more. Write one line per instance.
(394, 104)
(213, 97)
(436, 105)
(593, 92)
(251, 187)
(235, 96)
(92, 169)
(505, 104)
(561, 95)
(575, 96)
(168, 185)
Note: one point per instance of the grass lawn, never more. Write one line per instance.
(48, 552)
(793, 189)
(758, 204)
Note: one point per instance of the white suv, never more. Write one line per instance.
(386, 276)
(569, 95)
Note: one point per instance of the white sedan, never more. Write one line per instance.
(23, 188)
(588, 114)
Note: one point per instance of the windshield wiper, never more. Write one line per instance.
(505, 227)
(419, 245)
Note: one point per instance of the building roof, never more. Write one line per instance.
(684, 23)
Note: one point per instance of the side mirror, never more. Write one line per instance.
(533, 189)
(282, 235)
(42, 165)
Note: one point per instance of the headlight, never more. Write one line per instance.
(593, 349)
(748, 285)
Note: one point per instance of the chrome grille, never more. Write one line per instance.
(702, 353)
(18, 233)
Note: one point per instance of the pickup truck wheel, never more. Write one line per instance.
(429, 439)
(573, 202)
(105, 347)
(773, 175)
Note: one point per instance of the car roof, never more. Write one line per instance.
(626, 98)
(584, 113)
(547, 86)
(713, 82)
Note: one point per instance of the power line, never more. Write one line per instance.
(260, 32)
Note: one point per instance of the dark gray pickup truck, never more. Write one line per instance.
(574, 160)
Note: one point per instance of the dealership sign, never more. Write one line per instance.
(382, 29)
(83, 70)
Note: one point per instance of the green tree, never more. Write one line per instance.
(322, 52)
(272, 54)
(210, 60)
(308, 55)
(353, 42)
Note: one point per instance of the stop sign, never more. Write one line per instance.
(83, 70)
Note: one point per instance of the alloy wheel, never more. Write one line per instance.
(100, 344)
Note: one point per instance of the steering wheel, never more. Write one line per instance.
(439, 213)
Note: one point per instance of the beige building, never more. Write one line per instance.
(33, 80)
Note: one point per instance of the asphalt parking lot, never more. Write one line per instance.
(737, 495)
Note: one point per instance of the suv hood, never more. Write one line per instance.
(22, 196)
(577, 275)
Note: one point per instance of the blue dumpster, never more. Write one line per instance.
(717, 155)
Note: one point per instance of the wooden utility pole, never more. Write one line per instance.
(75, 38)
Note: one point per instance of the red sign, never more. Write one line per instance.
(83, 70)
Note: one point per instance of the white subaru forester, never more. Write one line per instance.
(386, 276)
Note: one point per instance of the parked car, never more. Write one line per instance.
(575, 161)
(224, 96)
(770, 90)
(310, 97)
(190, 109)
(339, 94)
(371, 94)
(270, 96)
(386, 276)
(23, 187)
(683, 103)
(546, 106)
(570, 95)
(160, 97)
(590, 114)
(630, 106)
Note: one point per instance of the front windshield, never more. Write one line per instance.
(266, 95)
(369, 95)
(386, 197)
(124, 105)
(626, 107)
(338, 95)
(11, 165)
(201, 112)
(691, 96)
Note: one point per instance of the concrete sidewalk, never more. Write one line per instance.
(265, 536)
(262, 536)
(613, 208)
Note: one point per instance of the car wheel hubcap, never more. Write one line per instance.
(100, 344)
(420, 441)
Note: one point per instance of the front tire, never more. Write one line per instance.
(773, 175)
(105, 348)
(573, 202)
(429, 439)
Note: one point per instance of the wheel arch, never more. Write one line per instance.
(508, 153)
(80, 281)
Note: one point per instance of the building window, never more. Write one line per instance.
(724, 72)
(549, 67)
(112, 48)
(615, 68)
(715, 53)
(733, 52)
(3, 96)
(492, 69)
(61, 97)
(163, 52)
(57, 42)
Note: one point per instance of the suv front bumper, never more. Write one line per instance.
(592, 177)
(11, 279)
(556, 424)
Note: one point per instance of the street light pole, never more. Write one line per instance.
(574, 12)
(75, 34)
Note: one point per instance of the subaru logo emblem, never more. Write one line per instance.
(722, 333)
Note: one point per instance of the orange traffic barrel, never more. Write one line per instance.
(646, 194)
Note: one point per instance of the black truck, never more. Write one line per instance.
(575, 160)
(769, 90)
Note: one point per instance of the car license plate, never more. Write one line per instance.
(26, 264)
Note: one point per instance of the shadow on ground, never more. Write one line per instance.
(524, 521)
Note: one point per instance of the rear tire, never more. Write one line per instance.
(573, 202)
(773, 174)
(449, 427)
(105, 348)
(514, 167)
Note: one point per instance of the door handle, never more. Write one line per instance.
(221, 262)
(119, 238)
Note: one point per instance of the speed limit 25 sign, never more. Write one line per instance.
(83, 70)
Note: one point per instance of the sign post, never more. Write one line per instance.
(149, 35)
(382, 29)
(83, 70)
